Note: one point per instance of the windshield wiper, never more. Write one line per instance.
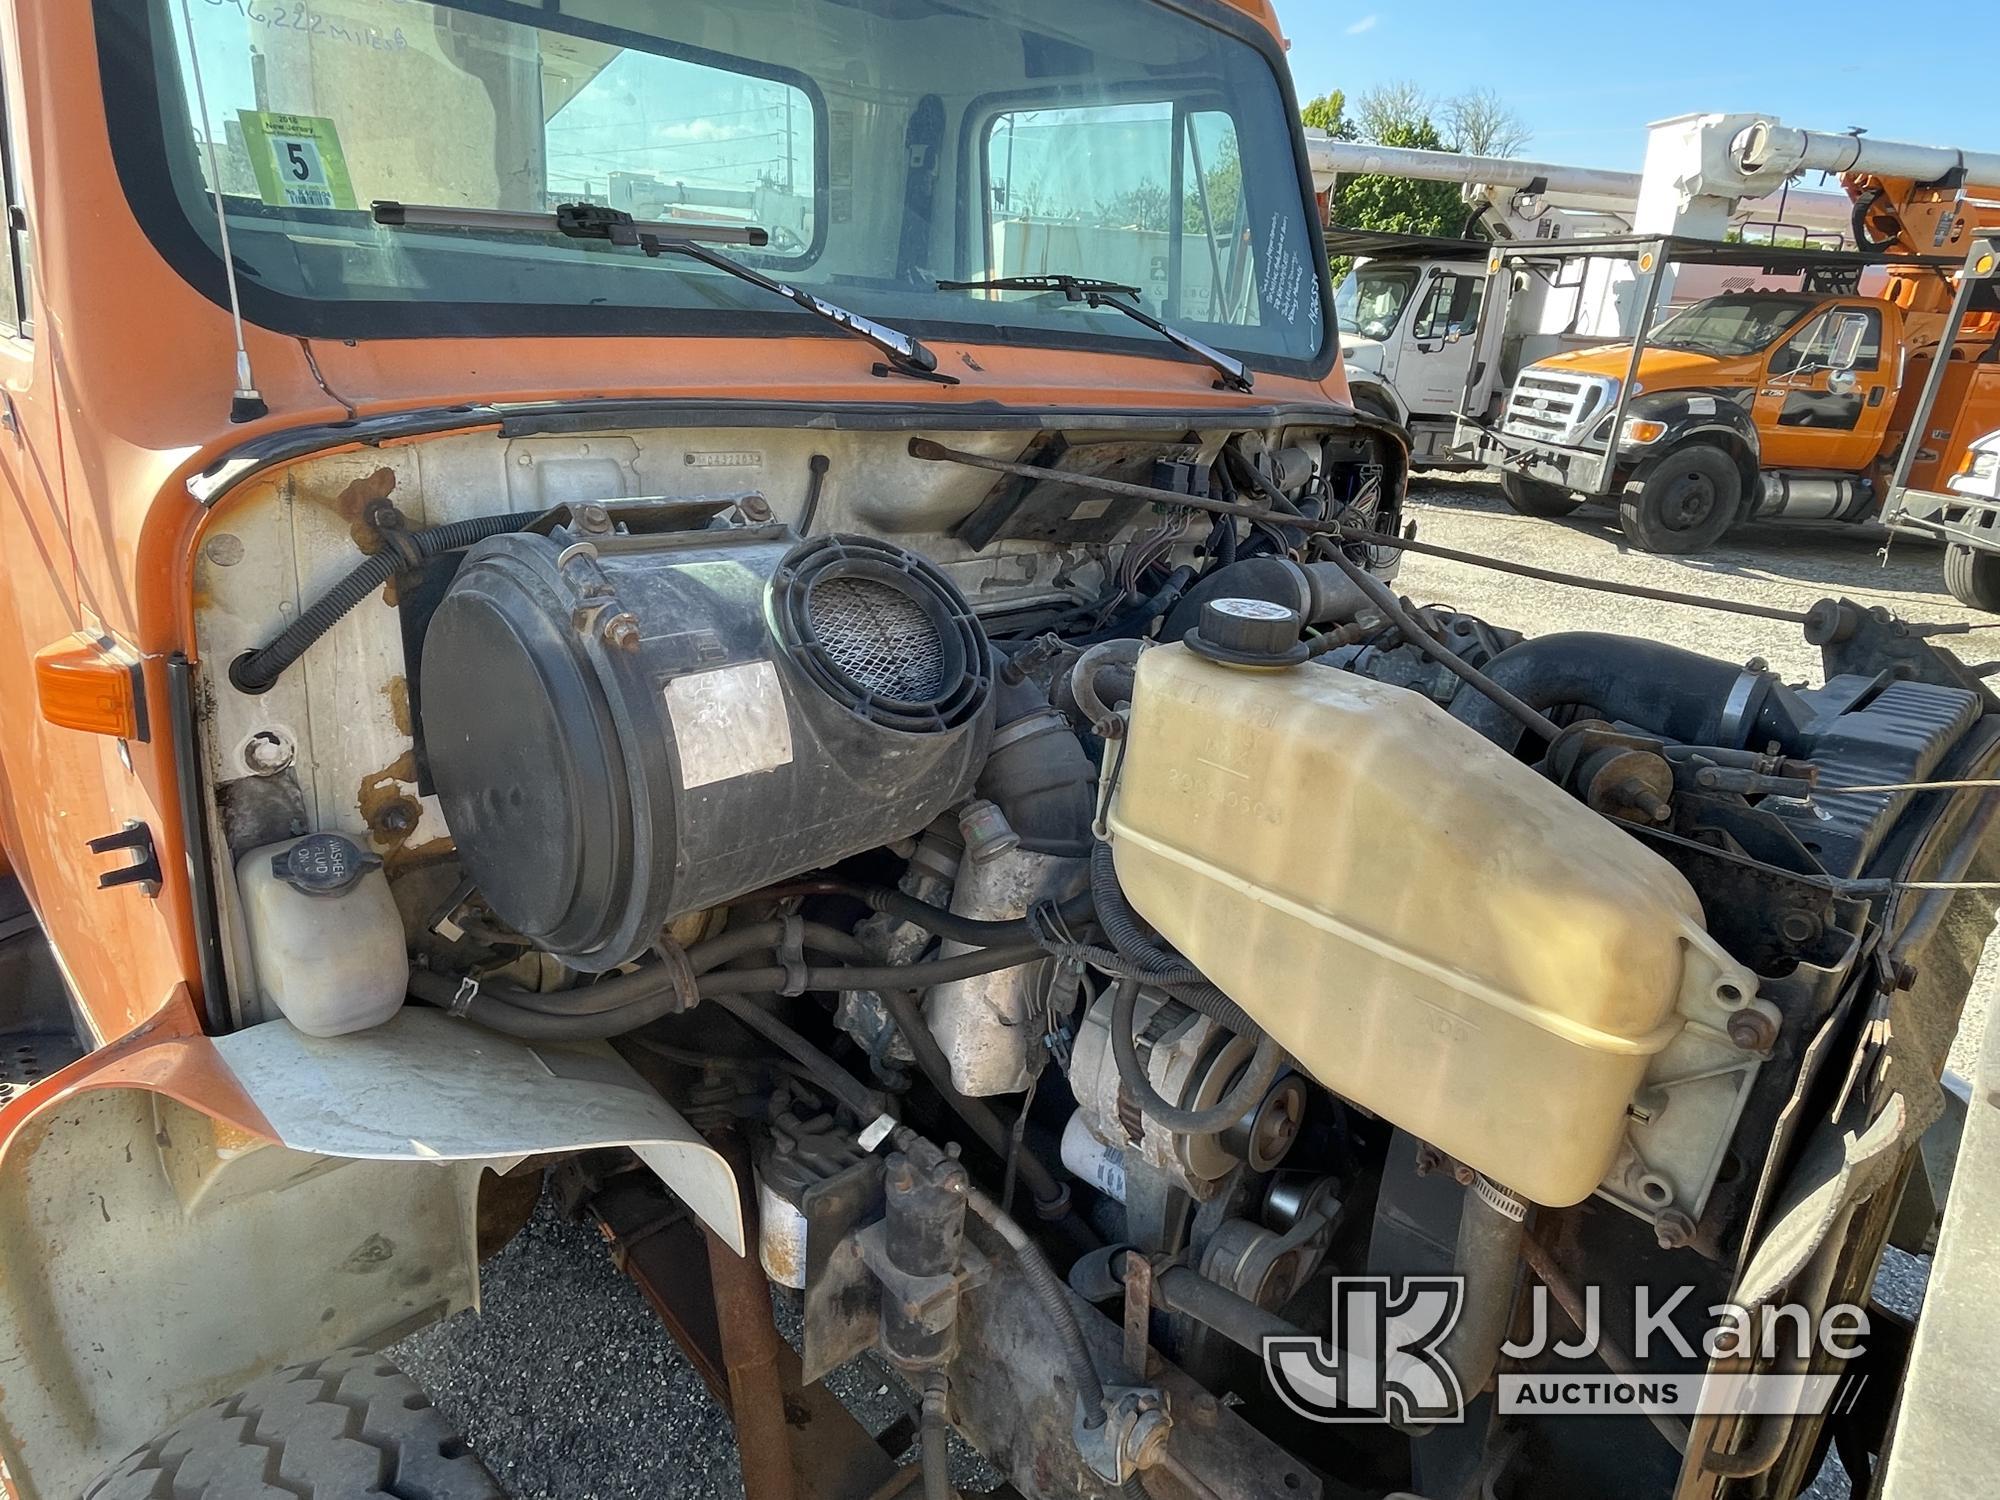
(1235, 374)
(595, 221)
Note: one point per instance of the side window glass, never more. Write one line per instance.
(1436, 309)
(1451, 307)
(1860, 346)
(1844, 338)
(1808, 346)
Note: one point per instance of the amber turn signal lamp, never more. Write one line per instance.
(88, 683)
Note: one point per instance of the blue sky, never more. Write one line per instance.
(1587, 78)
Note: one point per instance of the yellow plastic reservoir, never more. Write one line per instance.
(1432, 929)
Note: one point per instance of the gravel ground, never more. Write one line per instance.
(571, 1389)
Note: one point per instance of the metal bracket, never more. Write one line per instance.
(1138, 1313)
(1132, 1436)
(921, 1297)
(144, 871)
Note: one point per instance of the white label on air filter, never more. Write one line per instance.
(729, 723)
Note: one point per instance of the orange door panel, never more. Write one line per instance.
(1815, 409)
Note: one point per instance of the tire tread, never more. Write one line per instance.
(339, 1428)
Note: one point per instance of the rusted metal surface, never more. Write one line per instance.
(1013, 1400)
(1138, 1314)
(828, 1454)
(749, 1344)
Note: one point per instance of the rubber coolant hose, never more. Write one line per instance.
(494, 1007)
(621, 990)
(919, 976)
(618, 992)
(1243, 1096)
(258, 671)
(1154, 963)
(971, 931)
(1083, 676)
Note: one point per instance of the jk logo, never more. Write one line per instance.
(1380, 1360)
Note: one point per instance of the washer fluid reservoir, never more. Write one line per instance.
(324, 934)
(1432, 929)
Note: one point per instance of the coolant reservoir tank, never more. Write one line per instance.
(1431, 929)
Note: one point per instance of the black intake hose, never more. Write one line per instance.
(1039, 776)
(259, 670)
(1678, 694)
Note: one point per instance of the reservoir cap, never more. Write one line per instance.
(323, 864)
(1248, 633)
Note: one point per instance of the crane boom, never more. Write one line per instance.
(1766, 146)
(1592, 187)
(1521, 191)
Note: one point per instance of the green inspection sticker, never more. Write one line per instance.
(297, 159)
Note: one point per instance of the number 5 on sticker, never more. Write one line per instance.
(297, 160)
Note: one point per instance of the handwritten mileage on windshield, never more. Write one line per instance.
(298, 16)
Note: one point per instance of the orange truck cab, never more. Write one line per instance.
(1759, 404)
(774, 613)
(181, 487)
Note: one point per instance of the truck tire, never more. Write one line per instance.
(1535, 497)
(1685, 504)
(1973, 576)
(339, 1428)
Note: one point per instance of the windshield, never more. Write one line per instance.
(882, 146)
(1740, 324)
(1371, 300)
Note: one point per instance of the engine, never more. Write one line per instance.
(1215, 930)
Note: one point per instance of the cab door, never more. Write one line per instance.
(1438, 342)
(1827, 392)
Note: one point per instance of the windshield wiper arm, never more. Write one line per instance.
(1235, 374)
(595, 221)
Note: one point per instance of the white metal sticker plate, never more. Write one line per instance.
(730, 722)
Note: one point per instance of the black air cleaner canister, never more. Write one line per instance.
(629, 728)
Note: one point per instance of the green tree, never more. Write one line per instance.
(1403, 114)
(1329, 113)
(1396, 204)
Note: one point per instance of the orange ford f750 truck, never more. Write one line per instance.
(1795, 403)
(775, 611)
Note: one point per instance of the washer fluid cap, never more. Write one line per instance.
(1249, 633)
(323, 864)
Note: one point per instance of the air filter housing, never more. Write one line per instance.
(628, 728)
